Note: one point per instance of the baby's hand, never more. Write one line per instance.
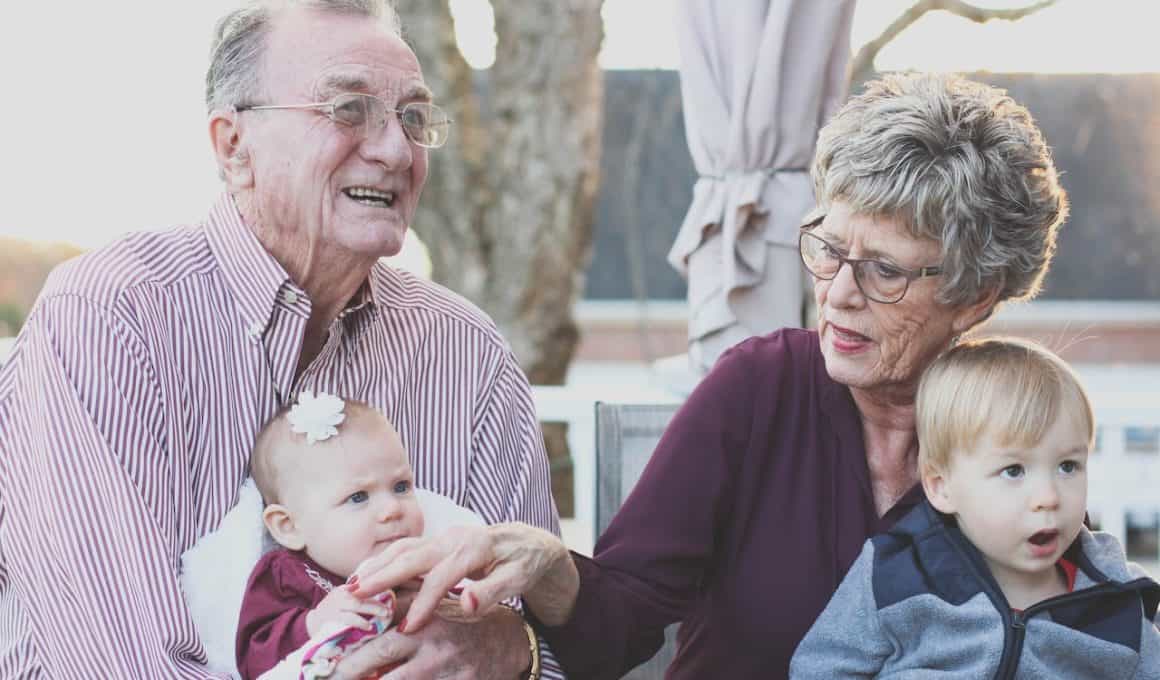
(343, 608)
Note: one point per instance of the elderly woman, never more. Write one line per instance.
(938, 200)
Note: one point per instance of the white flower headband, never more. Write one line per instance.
(316, 416)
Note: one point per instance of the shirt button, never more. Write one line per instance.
(255, 330)
(290, 297)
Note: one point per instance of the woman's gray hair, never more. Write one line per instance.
(958, 162)
(239, 42)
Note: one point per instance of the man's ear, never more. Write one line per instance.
(280, 523)
(232, 160)
(972, 314)
(934, 485)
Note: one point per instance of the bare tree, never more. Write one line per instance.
(508, 210)
(862, 66)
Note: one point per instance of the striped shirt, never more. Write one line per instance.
(131, 400)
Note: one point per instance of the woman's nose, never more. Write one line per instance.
(844, 290)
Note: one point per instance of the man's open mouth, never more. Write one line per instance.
(369, 196)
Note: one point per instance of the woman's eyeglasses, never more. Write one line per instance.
(879, 281)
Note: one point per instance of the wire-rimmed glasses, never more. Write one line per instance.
(878, 280)
(424, 123)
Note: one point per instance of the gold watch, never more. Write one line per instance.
(534, 648)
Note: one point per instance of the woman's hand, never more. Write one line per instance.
(503, 561)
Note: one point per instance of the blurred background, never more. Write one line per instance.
(568, 175)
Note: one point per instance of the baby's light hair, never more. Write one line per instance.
(277, 443)
(1008, 388)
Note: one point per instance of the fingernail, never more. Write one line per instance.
(471, 600)
(403, 625)
(353, 580)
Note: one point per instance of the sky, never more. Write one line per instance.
(105, 125)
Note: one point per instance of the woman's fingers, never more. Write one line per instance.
(506, 580)
(463, 559)
(397, 564)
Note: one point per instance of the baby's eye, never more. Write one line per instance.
(402, 486)
(358, 497)
(1011, 472)
(1070, 467)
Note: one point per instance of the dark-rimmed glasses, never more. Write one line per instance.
(879, 281)
(424, 123)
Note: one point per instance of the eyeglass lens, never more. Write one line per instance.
(425, 124)
(877, 280)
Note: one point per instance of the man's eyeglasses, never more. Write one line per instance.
(424, 124)
(879, 281)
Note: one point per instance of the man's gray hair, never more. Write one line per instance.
(958, 162)
(239, 43)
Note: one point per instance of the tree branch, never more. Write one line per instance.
(863, 63)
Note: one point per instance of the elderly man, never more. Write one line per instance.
(134, 394)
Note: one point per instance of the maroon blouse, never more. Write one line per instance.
(754, 505)
(283, 587)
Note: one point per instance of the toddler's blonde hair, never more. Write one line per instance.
(1008, 388)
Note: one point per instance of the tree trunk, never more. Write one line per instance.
(508, 209)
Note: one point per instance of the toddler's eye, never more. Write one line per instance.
(358, 497)
(1069, 467)
(402, 487)
(1012, 472)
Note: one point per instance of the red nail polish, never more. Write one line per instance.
(473, 601)
(353, 580)
(403, 625)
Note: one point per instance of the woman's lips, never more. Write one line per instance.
(846, 340)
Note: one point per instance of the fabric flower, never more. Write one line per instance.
(316, 416)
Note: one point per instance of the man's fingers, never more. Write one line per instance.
(386, 650)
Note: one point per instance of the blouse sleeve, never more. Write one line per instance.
(647, 566)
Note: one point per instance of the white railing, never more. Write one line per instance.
(1120, 481)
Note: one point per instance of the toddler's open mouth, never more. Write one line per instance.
(1043, 542)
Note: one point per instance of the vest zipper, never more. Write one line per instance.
(1017, 621)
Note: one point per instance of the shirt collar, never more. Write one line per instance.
(252, 275)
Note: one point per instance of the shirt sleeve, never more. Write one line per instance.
(846, 641)
(649, 563)
(510, 477)
(273, 617)
(88, 533)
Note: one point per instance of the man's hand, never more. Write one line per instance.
(493, 648)
(341, 606)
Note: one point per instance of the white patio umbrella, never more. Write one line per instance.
(758, 80)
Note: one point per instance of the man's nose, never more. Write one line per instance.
(387, 143)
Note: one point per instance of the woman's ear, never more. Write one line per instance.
(934, 485)
(974, 313)
(232, 160)
(280, 523)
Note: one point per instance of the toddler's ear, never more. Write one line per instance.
(280, 523)
(934, 485)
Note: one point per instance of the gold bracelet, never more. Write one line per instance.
(534, 648)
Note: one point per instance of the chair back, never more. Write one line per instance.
(626, 435)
